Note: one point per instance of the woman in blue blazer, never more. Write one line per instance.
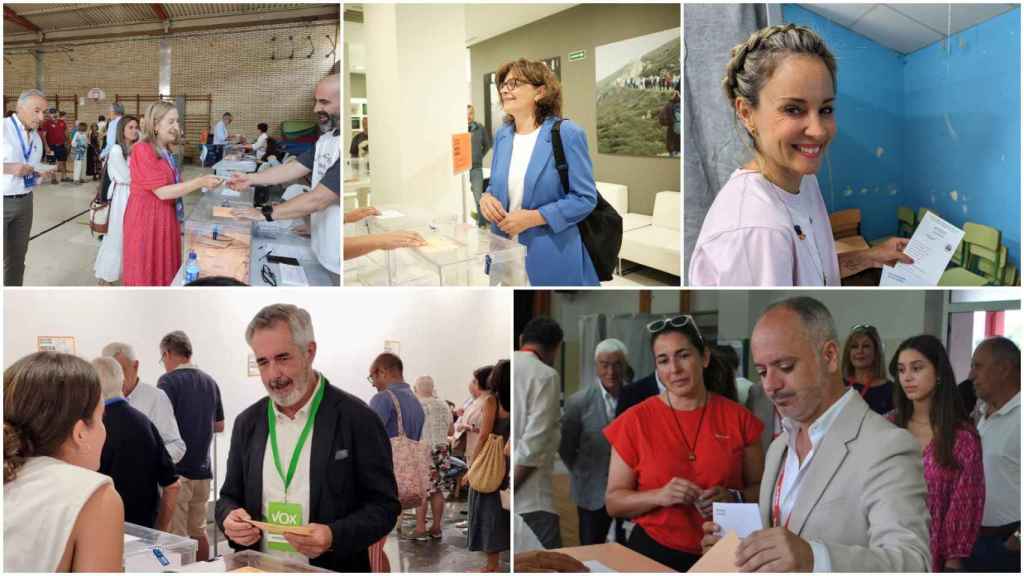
(525, 198)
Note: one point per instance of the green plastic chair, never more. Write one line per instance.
(983, 250)
(961, 277)
(905, 222)
(1010, 276)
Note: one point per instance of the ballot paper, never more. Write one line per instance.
(281, 529)
(44, 168)
(389, 214)
(596, 566)
(744, 519)
(931, 247)
(721, 557)
(229, 193)
(292, 276)
(435, 244)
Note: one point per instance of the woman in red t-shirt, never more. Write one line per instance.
(676, 453)
(152, 237)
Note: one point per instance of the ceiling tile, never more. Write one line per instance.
(842, 14)
(894, 30)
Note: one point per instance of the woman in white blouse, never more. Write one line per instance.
(108, 260)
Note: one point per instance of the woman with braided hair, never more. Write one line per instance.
(768, 225)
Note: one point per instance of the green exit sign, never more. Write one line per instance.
(577, 55)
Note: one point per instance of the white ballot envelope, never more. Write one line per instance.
(597, 566)
(931, 247)
(44, 168)
(744, 519)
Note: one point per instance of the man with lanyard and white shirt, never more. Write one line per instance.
(843, 489)
(308, 456)
(150, 400)
(995, 370)
(23, 149)
(323, 201)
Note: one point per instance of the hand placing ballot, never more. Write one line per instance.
(311, 543)
(240, 182)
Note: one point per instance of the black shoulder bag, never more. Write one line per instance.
(601, 230)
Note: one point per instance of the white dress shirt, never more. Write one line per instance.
(610, 402)
(220, 134)
(522, 151)
(537, 430)
(288, 432)
(1000, 455)
(795, 471)
(154, 403)
(14, 153)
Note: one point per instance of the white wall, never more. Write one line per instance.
(416, 87)
(440, 335)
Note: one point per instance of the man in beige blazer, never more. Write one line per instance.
(843, 489)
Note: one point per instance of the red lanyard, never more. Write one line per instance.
(777, 499)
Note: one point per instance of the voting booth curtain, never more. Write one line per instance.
(630, 328)
(714, 141)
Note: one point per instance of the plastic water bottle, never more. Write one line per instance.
(192, 267)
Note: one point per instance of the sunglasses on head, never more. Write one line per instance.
(674, 322)
(862, 328)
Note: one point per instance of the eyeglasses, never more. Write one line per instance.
(513, 83)
(675, 322)
(268, 275)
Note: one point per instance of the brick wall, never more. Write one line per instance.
(234, 68)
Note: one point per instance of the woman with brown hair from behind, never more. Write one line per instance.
(60, 515)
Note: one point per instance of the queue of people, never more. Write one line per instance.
(827, 433)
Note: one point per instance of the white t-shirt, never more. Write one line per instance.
(522, 150)
(1000, 452)
(260, 147)
(749, 236)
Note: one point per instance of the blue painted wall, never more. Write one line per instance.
(963, 116)
(915, 128)
(866, 159)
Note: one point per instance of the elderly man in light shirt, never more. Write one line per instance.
(116, 112)
(147, 399)
(995, 370)
(536, 430)
(584, 449)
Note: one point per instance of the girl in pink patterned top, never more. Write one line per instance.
(929, 407)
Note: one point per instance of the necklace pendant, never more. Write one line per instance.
(693, 457)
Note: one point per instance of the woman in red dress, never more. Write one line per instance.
(152, 235)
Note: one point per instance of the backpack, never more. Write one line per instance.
(601, 230)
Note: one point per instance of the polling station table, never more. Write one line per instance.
(616, 557)
(243, 249)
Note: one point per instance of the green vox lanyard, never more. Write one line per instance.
(271, 418)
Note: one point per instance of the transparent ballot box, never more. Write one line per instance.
(222, 247)
(148, 550)
(252, 561)
(456, 254)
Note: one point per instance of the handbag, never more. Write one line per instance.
(412, 463)
(99, 208)
(488, 469)
(601, 230)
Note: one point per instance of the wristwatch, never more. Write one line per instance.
(268, 212)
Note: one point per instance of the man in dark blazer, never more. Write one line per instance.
(637, 392)
(339, 486)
